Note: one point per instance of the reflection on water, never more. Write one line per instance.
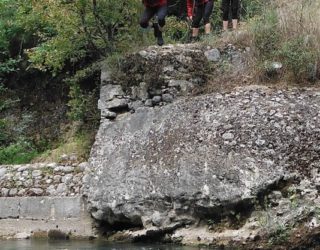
(82, 245)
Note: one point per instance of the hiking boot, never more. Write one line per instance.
(157, 34)
(160, 39)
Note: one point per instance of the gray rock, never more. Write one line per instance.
(51, 190)
(108, 114)
(156, 99)
(3, 171)
(143, 91)
(228, 136)
(13, 192)
(213, 55)
(67, 179)
(22, 236)
(168, 69)
(168, 168)
(116, 104)
(184, 86)
(157, 219)
(22, 192)
(28, 183)
(167, 98)
(155, 92)
(36, 191)
(4, 192)
(135, 105)
(49, 181)
(62, 189)
(109, 92)
(36, 173)
(67, 169)
(52, 165)
(83, 165)
(23, 168)
(57, 178)
(148, 103)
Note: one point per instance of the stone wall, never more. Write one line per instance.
(41, 179)
(43, 200)
(156, 77)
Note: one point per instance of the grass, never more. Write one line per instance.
(18, 153)
(78, 145)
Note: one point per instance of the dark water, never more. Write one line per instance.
(82, 245)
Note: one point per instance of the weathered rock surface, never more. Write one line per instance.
(206, 160)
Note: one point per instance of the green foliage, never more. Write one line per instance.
(251, 8)
(4, 128)
(177, 29)
(266, 34)
(298, 57)
(18, 153)
(280, 236)
(82, 29)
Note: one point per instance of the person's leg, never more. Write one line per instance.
(235, 13)
(208, 8)
(196, 21)
(161, 14)
(146, 17)
(225, 14)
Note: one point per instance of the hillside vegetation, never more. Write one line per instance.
(50, 53)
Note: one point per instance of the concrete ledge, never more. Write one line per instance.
(29, 215)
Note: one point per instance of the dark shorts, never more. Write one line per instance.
(149, 12)
(226, 6)
(202, 11)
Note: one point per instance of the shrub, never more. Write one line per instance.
(177, 29)
(266, 34)
(18, 153)
(289, 32)
(298, 58)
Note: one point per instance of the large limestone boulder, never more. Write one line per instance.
(202, 158)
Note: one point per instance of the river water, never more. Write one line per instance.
(82, 245)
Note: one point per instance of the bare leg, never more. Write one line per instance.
(235, 24)
(225, 25)
(207, 28)
(195, 32)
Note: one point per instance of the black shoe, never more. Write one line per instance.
(157, 34)
(160, 39)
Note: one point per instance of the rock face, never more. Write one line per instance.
(202, 158)
(225, 168)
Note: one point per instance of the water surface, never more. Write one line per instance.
(83, 245)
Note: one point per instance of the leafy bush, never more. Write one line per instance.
(177, 29)
(251, 8)
(289, 32)
(266, 34)
(4, 134)
(18, 153)
(298, 58)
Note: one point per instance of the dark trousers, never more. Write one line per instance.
(149, 12)
(202, 11)
(225, 7)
